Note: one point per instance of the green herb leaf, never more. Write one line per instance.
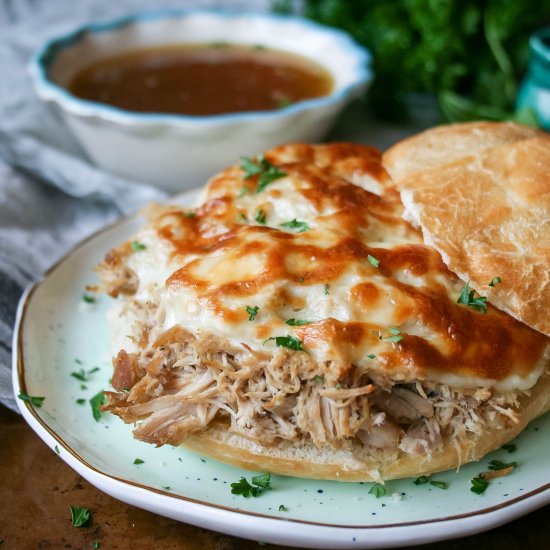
(327, 289)
(373, 260)
(467, 298)
(496, 465)
(57, 450)
(79, 516)
(421, 480)
(96, 545)
(138, 461)
(395, 335)
(96, 402)
(83, 387)
(264, 169)
(283, 508)
(440, 484)
(297, 322)
(190, 214)
(510, 447)
(88, 298)
(32, 399)
(495, 281)
(260, 217)
(371, 356)
(167, 487)
(83, 375)
(377, 490)
(295, 224)
(80, 401)
(252, 312)
(479, 485)
(319, 378)
(137, 246)
(259, 484)
(284, 102)
(286, 342)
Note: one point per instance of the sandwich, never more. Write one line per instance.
(295, 322)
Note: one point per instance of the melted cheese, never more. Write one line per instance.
(205, 270)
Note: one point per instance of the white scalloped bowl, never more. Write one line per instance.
(177, 152)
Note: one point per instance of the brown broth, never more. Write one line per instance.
(202, 79)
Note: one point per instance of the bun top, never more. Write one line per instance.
(483, 201)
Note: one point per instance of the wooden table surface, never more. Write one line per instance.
(37, 488)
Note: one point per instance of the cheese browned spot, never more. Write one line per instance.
(449, 369)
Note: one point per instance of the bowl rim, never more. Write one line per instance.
(48, 90)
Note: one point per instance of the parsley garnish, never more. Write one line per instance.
(137, 246)
(377, 490)
(80, 401)
(479, 485)
(373, 260)
(83, 375)
(495, 281)
(327, 289)
(510, 447)
(260, 217)
(371, 356)
(79, 516)
(496, 465)
(190, 214)
(57, 450)
(242, 192)
(96, 401)
(440, 484)
(88, 298)
(284, 102)
(467, 298)
(283, 508)
(259, 485)
(295, 224)
(287, 342)
(167, 487)
(83, 387)
(241, 217)
(138, 461)
(395, 335)
(252, 312)
(264, 169)
(296, 322)
(319, 378)
(96, 545)
(32, 399)
(421, 480)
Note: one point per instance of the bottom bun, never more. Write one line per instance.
(355, 462)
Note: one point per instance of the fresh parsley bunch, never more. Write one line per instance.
(471, 53)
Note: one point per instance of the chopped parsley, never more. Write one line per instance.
(264, 169)
(467, 298)
(440, 484)
(339, 386)
(479, 485)
(327, 289)
(96, 402)
(242, 192)
(83, 375)
(421, 480)
(260, 217)
(96, 545)
(284, 102)
(496, 465)
(89, 299)
(259, 484)
(252, 312)
(80, 401)
(495, 281)
(295, 224)
(83, 387)
(371, 356)
(319, 378)
(190, 214)
(79, 516)
(57, 450)
(167, 487)
(395, 335)
(510, 447)
(297, 322)
(283, 508)
(377, 490)
(32, 399)
(373, 261)
(290, 342)
(138, 461)
(241, 217)
(137, 246)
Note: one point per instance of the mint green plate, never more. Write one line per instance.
(58, 333)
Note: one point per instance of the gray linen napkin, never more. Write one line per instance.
(51, 196)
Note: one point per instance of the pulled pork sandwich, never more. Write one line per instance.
(294, 322)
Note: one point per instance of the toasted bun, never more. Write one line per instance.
(447, 143)
(488, 215)
(355, 463)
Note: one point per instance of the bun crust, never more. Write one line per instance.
(488, 215)
(355, 463)
(447, 143)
